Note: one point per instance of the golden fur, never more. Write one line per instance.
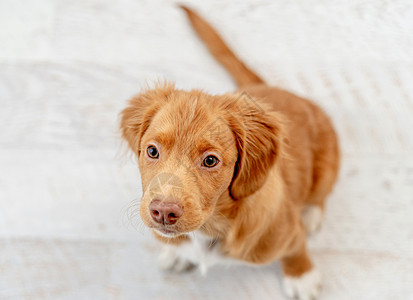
(278, 154)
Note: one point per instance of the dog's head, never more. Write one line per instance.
(194, 148)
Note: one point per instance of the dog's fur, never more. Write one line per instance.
(278, 156)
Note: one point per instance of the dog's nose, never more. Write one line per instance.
(165, 212)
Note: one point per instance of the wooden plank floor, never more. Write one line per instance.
(68, 193)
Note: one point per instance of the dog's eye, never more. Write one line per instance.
(152, 152)
(210, 161)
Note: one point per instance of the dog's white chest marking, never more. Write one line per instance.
(201, 250)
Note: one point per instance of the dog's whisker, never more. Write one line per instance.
(132, 216)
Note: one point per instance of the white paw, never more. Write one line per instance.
(169, 260)
(305, 287)
(312, 217)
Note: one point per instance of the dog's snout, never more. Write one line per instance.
(166, 213)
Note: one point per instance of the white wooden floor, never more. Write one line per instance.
(66, 70)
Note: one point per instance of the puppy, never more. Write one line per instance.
(238, 177)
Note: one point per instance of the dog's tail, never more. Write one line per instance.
(220, 50)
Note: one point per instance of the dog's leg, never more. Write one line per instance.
(312, 217)
(301, 280)
(325, 169)
(313, 210)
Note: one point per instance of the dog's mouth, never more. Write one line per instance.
(167, 232)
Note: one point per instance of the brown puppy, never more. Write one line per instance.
(235, 177)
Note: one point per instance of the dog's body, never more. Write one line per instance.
(276, 161)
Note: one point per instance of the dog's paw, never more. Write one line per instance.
(312, 217)
(305, 287)
(169, 260)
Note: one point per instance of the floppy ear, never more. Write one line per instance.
(258, 136)
(136, 118)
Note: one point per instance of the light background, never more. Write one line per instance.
(67, 69)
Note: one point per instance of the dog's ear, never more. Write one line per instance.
(258, 136)
(137, 116)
